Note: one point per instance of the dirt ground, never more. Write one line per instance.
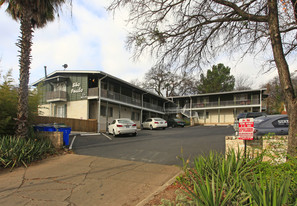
(169, 194)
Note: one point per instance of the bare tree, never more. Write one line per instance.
(191, 32)
(161, 80)
(136, 82)
(243, 82)
(276, 99)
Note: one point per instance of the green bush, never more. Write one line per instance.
(235, 179)
(19, 151)
(278, 173)
(267, 192)
(9, 103)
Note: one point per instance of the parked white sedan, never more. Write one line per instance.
(154, 123)
(122, 126)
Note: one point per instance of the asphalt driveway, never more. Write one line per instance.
(156, 146)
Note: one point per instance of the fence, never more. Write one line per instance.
(89, 125)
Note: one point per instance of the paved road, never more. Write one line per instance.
(157, 146)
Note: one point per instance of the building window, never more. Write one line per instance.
(110, 111)
(135, 116)
(103, 111)
(201, 115)
(60, 86)
(61, 111)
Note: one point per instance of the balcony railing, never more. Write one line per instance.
(152, 106)
(224, 103)
(56, 96)
(127, 99)
(93, 92)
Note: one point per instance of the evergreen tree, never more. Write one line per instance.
(218, 79)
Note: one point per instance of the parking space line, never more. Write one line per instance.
(70, 147)
(106, 136)
(90, 134)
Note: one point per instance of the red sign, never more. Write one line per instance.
(246, 129)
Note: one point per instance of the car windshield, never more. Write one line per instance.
(159, 119)
(260, 119)
(125, 121)
(241, 115)
(178, 120)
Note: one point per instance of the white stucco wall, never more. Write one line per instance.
(216, 117)
(227, 116)
(44, 110)
(77, 109)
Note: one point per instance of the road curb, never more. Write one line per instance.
(159, 190)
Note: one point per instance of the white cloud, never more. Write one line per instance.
(89, 38)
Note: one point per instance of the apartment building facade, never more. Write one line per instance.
(96, 95)
(218, 108)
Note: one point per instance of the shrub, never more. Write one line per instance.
(19, 151)
(267, 192)
(9, 103)
(237, 179)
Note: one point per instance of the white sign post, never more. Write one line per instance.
(246, 129)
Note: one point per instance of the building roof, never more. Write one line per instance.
(59, 72)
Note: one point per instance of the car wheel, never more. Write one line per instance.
(151, 127)
(141, 127)
(134, 134)
(113, 133)
(164, 128)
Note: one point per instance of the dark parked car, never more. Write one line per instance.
(276, 124)
(176, 123)
(250, 115)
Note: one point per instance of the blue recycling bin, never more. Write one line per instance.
(37, 128)
(44, 128)
(66, 131)
(49, 129)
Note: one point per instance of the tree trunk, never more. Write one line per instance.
(24, 44)
(294, 4)
(284, 76)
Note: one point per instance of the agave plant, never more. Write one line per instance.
(268, 193)
(20, 151)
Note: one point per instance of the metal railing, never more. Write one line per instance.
(225, 103)
(127, 99)
(56, 96)
(94, 92)
(213, 104)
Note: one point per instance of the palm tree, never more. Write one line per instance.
(32, 14)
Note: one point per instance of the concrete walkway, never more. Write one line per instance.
(84, 180)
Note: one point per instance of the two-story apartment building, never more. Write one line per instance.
(96, 95)
(218, 108)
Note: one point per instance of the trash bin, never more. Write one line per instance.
(66, 131)
(37, 128)
(49, 129)
(44, 128)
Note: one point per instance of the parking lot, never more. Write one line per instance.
(155, 146)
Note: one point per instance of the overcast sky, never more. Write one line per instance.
(89, 38)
